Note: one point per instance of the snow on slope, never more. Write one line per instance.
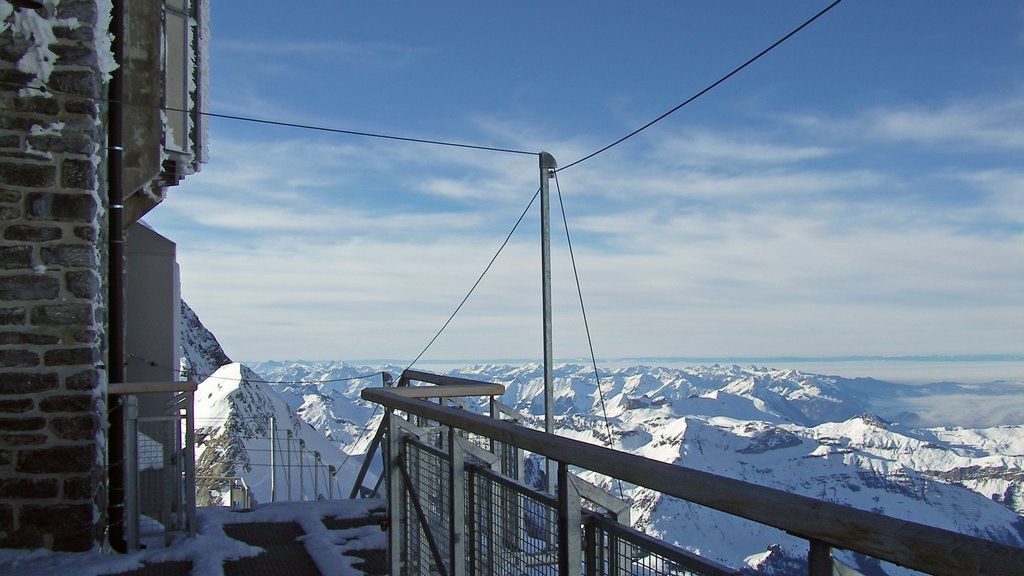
(233, 412)
(803, 433)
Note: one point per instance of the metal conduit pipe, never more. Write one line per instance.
(115, 284)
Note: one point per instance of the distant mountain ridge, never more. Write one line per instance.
(845, 440)
(804, 433)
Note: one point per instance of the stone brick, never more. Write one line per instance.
(69, 255)
(12, 316)
(15, 257)
(74, 82)
(85, 337)
(26, 537)
(33, 155)
(29, 287)
(7, 195)
(10, 212)
(30, 175)
(61, 314)
(18, 359)
(63, 207)
(87, 380)
(12, 76)
(56, 517)
(23, 439)
(85, 233)
(30, 338)
(80, 33)
(10, 141)
(22, 424)
(17, 405)
(56, 460)
(78, 488)
(22, 124)
(80, 174)
(71, 357)
(67, 403)
(83, 284)
(72, 55)
(19, 383)
(78, 540)
(28, 488)
(6, 518)
(84, 106)
(84, 12)
(75, 427)
(5, 457)
(37, 105)
(61, 145)
(24, 233)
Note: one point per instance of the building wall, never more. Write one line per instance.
(52, 276)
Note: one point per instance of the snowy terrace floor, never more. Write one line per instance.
(328, 538)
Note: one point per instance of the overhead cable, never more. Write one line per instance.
(705, 90)
(478, 280)
(313, 127)
(586, 325)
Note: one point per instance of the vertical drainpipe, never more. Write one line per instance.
(115, 283)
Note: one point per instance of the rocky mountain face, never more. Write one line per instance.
(201, 354)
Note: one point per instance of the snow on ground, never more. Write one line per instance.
(211, 547)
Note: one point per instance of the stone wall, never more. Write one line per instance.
(52, 277)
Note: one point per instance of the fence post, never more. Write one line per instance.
(819, 559)
(190, 463)
(568, 523)
(590, 548)
(396, 497)
(288, 467)
(131, 471)
(302, 481)
(456, 504)
(316, 475)
(273, 460)
(330, 487)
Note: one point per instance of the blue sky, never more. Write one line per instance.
(857, 191)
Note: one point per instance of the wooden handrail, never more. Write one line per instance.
(909, 544)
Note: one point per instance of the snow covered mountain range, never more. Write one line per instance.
(850, 441)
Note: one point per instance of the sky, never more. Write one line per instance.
(859, 190)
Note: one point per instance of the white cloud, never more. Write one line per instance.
(992, 123)
(361, 249)
(701, 148)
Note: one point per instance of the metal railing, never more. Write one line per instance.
(296, 472)
(457, 508)
(159, 462)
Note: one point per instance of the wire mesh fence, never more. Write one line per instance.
(462, 509)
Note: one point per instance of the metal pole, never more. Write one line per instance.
(273, 460)
(288, 467)
(316, 475)
(547, 170)
(330, 486)
(302, 481)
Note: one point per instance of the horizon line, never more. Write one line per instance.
(680, 359)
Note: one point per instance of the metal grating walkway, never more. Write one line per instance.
(284, 552)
